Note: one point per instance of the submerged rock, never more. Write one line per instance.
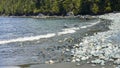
(65, 26)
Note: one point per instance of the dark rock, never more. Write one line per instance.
(66, 26)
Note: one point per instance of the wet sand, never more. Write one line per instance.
(70, 65)
(61, 65)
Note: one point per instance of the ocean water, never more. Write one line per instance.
(32, 41)
(28, 29)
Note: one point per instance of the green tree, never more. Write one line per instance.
(107, 6)
(58, 7)
(85, 7)
(55, 7)
(95, 8)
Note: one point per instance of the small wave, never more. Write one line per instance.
(66, 32)
(90, 25)
(33, 38)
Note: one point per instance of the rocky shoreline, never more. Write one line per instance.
(87, 17)
(102, 48)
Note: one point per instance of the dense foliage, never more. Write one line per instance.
(57, 7)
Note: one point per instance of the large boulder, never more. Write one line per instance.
(40, 14)
(70, 14)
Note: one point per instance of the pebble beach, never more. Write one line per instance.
(101, 48)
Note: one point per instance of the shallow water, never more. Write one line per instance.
(21, 27)
(34, 41)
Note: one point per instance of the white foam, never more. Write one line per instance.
(74, 28)
(33, 38)
(90, 24)
(66, 32)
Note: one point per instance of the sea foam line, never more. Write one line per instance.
(33, 38)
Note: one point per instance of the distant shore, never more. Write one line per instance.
(87, 17)
(78, 16)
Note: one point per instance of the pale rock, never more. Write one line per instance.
(98, 47)
(78, 64)
(73, 60)
(117, 61)
(118, 66)
(76, 45)
(111, 60)
(84, 58)
(93, 65)
(60, 41)
(117, 55)
(102, 63)
(103, 39)
(86, 42)
(51, 62)
(78, 60)
(88, 62)
(46, 62)
(68, 60)
(98, 61)
(67, 49)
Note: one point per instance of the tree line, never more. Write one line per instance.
(57, 7)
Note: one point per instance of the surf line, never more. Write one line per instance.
(33, 38)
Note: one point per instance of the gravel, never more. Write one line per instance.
(102, 47)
